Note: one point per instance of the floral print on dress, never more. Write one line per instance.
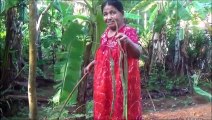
(103, 91)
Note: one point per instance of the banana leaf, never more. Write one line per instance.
(68, 68)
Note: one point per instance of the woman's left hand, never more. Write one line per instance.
(122, 38)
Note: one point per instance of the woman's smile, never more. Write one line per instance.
(110, 22)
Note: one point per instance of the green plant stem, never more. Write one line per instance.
(69, 96)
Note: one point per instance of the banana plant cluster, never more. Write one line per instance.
(82, 31)
(168, 15)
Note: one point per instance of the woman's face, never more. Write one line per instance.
(110, 14)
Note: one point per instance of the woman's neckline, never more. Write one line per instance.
(108, 29)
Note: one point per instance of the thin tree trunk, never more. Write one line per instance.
(32, 60)
(38, 40)
(155, 38)
(177, 48)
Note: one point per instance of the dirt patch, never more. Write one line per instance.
(187, 107)
(197, 112)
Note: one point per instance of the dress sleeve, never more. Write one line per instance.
(132, 34)
(103, 38)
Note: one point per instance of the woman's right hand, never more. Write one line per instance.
(88, 68)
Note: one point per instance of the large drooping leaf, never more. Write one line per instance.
(205, 1)
(69, 70)
(176, 9)
(200, 91)
(56, 5)
(183, 12)
(66, 9)
(150, 6)
(6, 4)
(197, 89)
(153, 15)
(132, 16)
(201, 8)
(69, 18)
(100, 27)
(142, 5)
(160, 21)
(2, 6)
(67, 14)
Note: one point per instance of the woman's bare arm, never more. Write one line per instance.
(133, 50)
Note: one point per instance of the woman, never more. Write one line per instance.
(117, 41)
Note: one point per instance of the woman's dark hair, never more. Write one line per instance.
(115, 3)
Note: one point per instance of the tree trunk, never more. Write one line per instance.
(33, 35)
(159, 49)
(17, 46)
(159, 43)
(7, 66)
(20, 61)
(177, 48)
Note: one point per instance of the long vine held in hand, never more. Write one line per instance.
(113, 83)
(123, 74)
(69, 96)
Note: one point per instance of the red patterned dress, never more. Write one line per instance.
(103, 91)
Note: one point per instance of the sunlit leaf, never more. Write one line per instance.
(142, 5)
(132, 16)
(200, 9)
(99, 29)
(199, 91)
(160, 21)
(71, 62)
(153, 15)
(71, 33)
(7, 4)
(57, 6)
(66, 9)
(69, 18)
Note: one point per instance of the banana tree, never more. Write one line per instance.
(157, 12)
(163, 14)
(80, 38)
(95, 28)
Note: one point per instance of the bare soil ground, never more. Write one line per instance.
(181, 108)
(197, 112)
(185, 107)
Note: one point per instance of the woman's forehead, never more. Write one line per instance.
(108, 8)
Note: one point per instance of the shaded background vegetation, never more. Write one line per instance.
(175, 36)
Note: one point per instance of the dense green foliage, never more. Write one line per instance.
(65, 33)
